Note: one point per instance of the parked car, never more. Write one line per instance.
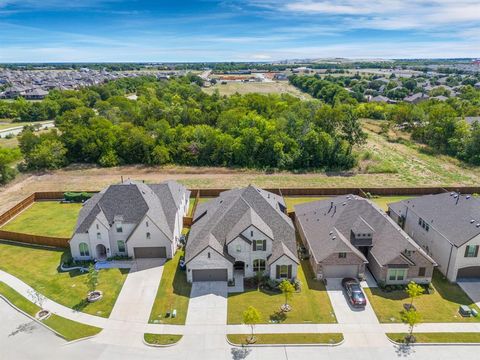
(354, 292)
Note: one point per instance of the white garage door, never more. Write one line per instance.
(340, 271)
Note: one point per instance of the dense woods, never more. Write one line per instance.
(176, 122)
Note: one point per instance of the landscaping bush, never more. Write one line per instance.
(77, 197)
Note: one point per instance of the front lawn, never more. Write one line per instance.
(383, 201)
(291, 201)
(440, 337)
(70, 330)
(311, 305)
(293, 338)
(173, 293)
(39, 268)
(47, 218)
(161, 339)
(441, 306)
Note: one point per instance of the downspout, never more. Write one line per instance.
(449, 259)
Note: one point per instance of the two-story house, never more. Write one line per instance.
(245, 230)
(131, 219)
(345, 235)
(447, 227)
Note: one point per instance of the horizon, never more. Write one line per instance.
(209, 31)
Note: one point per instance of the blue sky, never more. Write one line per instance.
(235, 30)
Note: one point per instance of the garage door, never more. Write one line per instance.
(150, 252)
(210, 275)
(469, 272)
(340, 271)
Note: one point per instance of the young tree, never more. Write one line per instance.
(251, 317)
(287, 289)
(411, 318)
(414, 290)
(92, 278)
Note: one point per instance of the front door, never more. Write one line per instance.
(101, 252)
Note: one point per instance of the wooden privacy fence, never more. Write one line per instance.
(34, 239)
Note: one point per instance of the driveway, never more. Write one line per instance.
(208, 303)
(472, 289)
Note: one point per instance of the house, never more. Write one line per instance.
(35, 94)
(131, 219)
(345, 235)
(447, 226)
(416, 98)
(244, 231)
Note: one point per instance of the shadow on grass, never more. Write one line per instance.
(450, 291)
(81, 305)
(278, 316)
(181, 286)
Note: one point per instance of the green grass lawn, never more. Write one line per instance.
(311, 305)
(173, 293)
(291, 201)
(293, 338)
(382, 201)
(70, 330)
(161, 339)
(48, 218)
(442, 337)
(441, 306)
(190, 206)
(39, 268)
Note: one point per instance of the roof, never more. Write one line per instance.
(454, 216)
(219, 221)
(130, 202)
(327, 226)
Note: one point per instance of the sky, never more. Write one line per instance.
(235, 30)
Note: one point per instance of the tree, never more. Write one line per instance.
(411, 318)
(414, 290)
(251, 317)
(7, 157)
(92, 278)
(287, 290)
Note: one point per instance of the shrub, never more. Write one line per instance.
(77, 197)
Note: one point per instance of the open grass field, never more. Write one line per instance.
(39, 268)
(293, 338)
(161, 339)
(173, 293)
(311, 305)
(275, 87)
(48, 218)
(70, 330)
(442, 337)
(441, 306)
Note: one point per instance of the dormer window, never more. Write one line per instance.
(119, 227)
(146, 223)
(97, 227)
(148, 236)
(99, 236)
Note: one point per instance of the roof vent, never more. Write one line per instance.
(344, 204)
(451, 194)
(472, 221)
(455, 196)
(467, 197)
(334, 237)
(330, 233)
(478, 225)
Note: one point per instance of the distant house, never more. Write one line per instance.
(35, 94)
(280, 77)
(345, 235)
(416, 98)
(380, 99)
(471, 119)
(440, 98)
(243, 231)
(131, 219)
(477, 85)
(447, 227)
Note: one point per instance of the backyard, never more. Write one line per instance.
(383, 201)
(173, 293)
(47, 218)
(39, 268)
(441, 306)
(311, 305)
(291, 201)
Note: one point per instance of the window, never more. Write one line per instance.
(97, 227)
(471, 251)
(283, 271)
(259, 245)
(397, 274)
(421, 271)
(423, 224)
(99, 236)
(239, 248)
(208, 255)
(83, 247)
(251, 233)
(119, 227)
(342, 255)
(258, 265)
(146, 223)
(121, 246)
(148, 235)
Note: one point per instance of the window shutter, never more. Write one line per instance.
(476, 251)
(466, 251)
(277, 275)
(289, 271)
(265, 245)
(254, 245)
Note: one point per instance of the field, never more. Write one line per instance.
(47, 218)
(276, 87)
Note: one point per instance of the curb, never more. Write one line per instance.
(45, 325)
(283, 345)
(159, 345)
(433, 344)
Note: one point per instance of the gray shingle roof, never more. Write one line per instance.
(237, 209)
(327, 228)
(452, 218)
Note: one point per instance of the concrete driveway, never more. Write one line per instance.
(208, 303)
(472, 289)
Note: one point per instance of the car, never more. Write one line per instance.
(354, 292)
